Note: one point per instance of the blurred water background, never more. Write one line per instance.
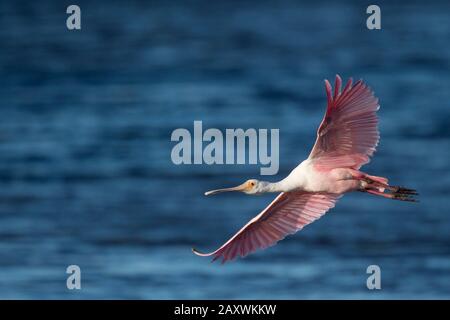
(85, 171)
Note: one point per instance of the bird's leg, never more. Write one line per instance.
(394, 196)
(402, 190)
(379, 186)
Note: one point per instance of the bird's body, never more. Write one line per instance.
(346, 138)
(305, 177)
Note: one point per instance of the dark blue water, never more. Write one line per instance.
(85, 171)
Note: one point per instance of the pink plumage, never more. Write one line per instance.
(288, 213)
(348, 134)
(347, 137)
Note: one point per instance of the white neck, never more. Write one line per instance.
(274, 187)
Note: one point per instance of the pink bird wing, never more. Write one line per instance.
(288, 213)
(348, 134)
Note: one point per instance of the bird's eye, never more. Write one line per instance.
(252, 184)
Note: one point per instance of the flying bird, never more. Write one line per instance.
(346, 139)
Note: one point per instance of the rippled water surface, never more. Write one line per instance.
(85, 171)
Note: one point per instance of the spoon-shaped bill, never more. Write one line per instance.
(241, 187)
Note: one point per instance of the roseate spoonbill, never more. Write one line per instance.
(346, 138)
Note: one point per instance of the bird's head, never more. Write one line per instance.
(251, 186)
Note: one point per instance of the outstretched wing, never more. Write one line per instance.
(288, 213)
(348, 134)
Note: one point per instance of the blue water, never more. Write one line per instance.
(85, 171)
